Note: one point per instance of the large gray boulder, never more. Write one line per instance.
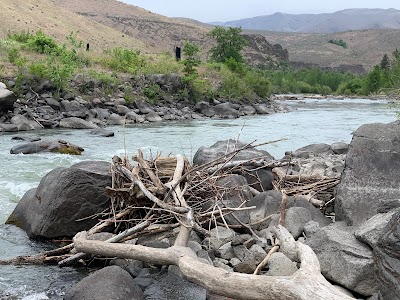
(174, 287)
(371, 177)
(59, 146)
(64, 196)
(226, 110)
(382, 234)
(7, 100)
(205, 155)
(311, 150)
(76, 123)
(108, 283)
(344, 259)
(23, 123)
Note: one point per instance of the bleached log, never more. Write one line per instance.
(307, 283)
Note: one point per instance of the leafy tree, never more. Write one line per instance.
(191, 61)
(374, 80)
(229, 44)
(385, 63)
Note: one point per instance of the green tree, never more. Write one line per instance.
(385, 63)
(374, 80)
(191, 61)
(229, 44)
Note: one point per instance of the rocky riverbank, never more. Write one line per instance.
(40, 108)
(355, 186)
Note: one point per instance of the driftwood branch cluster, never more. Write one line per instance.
(165, 193)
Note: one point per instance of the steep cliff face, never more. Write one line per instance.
(261, 52)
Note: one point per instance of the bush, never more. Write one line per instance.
(124, 60)
(152, 92)
(42, 43)
(259, 84)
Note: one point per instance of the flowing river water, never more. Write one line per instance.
(310, 121)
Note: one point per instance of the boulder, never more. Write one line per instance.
(260, 179)
(234, 191)
(108, 283)
(311, 150)
(152, 116)
(382, 234)
(280, 265)
(266, 203)
(116, 119)
(102, 132)
(59, 146)
(295, 220)
(371, 177)
(226, 110)
(23, 123)
(64, 196)
(8, 127)
(344, 259)
(76, 123)
(205, 155)
(248, 110)
(174, 287)
(263, 109)
(7, 100)
(142, 106)
(219, 236)
(340, 148)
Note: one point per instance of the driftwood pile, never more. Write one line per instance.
(167, 194)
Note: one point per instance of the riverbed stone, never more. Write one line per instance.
(311, 150)
(108, 283)
(64, 196)
(23, 123)
(218, 236)
(102, 132)
(266, 204)
(226, 110)
(371, 177)
(152, 116)
(280, 265)
(174, 287)
(76, 123)
(295, 219)
(344, 259)
(220, 148)
(7, 100)
(39, 146)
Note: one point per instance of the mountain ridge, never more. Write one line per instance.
(339, 21)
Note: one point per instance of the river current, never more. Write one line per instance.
(311, 121)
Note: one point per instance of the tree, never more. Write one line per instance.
(385, 63)
(229, 44)
(190, 51)
(374, 80)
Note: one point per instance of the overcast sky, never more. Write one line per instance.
(228, 10)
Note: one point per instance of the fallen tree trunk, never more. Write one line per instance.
(307, 283)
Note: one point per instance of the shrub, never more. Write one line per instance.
(152, 92)
(124, 60)
(42, 43)
(259, 84)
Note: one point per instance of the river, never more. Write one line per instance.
(311, 121)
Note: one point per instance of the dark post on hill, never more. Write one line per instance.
(178, 53)
(87, 47)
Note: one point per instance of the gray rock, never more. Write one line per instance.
(266, 203)
(116, 119)
(195, 246)
(122, 110)
(263, 109)
(343, 259)
(152, 116)
(311, 228)
(260, 179)
(60, 146)
(371, 230)
(225, 251)
(23, 123)
(102, 132)
(53, 103)
(218, 236)
(222, 263)
(248, 110)
(143, 106)
(63, 196)
(76, 123)
(234, 194)
(8, 127)
(258, 253)
(108, 283)
(295, 219)
(174, 287)
(280, 265)
(371, 177)
(7, 100)
(205, 155)
(340, 148)
(316, 214)
(387, 257)
(311, 150)
(226, 110)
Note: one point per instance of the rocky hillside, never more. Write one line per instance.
(32, 15)
(365, 48)
(344, 20)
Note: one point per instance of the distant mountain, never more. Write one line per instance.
(344, 20)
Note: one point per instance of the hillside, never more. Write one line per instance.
(365, 47)
(33, 15)
(344, 20)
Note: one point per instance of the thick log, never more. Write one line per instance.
(307, 283)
